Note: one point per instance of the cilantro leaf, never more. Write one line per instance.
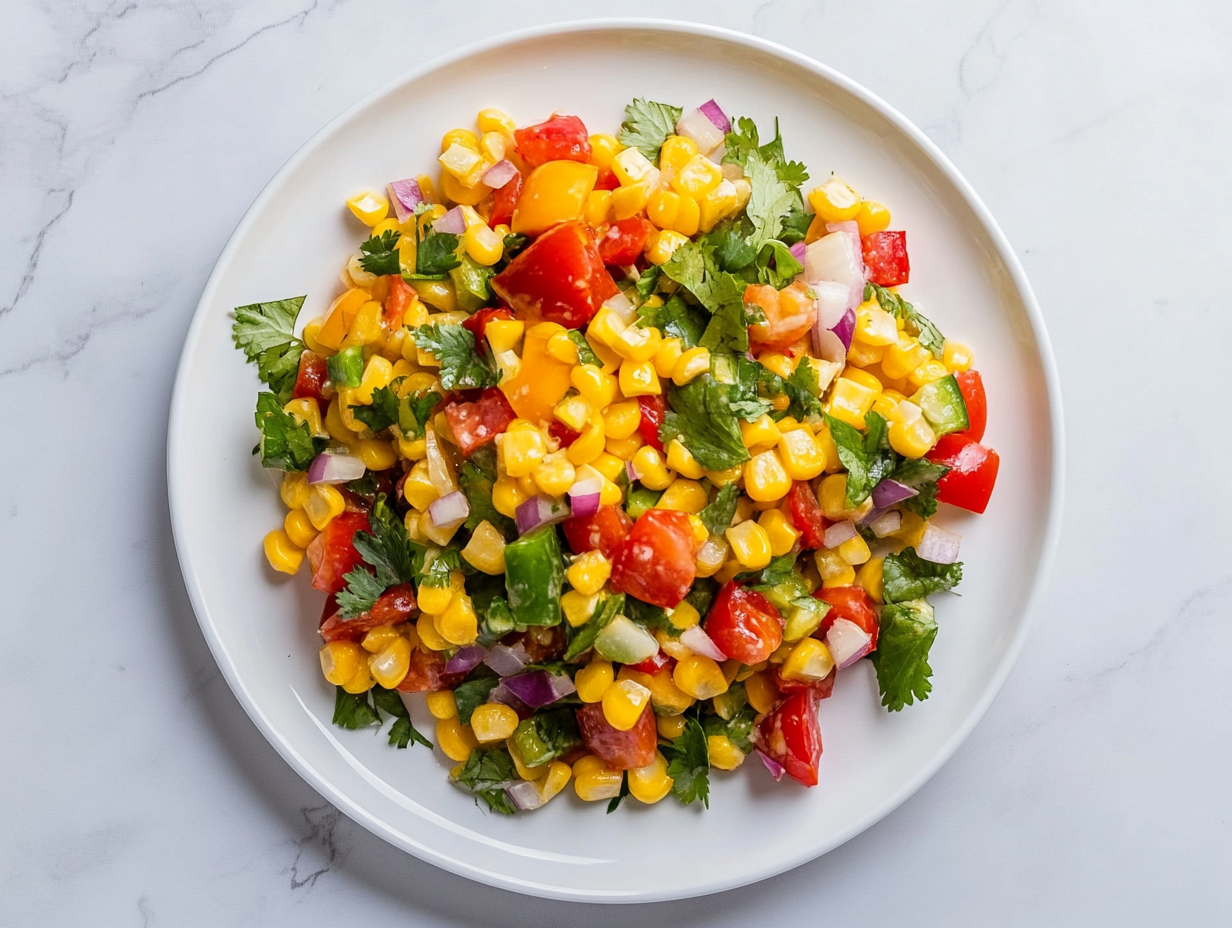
(700, 415)
(867, 457)
(920, 474)
(477, 479)
(380, 254)
(382, 413)
(586, 354)
(675, 319)
(484, 774)
(386, 546)
(462, 367)
(743, 142)
(403, 732)
(769, 202)
(730, 239)
(916, 322)
(908, 576)
(436, 569)
(437, 254)
(286, 443)
(361, 592)
(616, 800)
(802, 388)
(414, 411)
(647, 125)
(352, 710)
(514, 242)
(718, 514)
(582, 638)
(265, 332)
(646, 282)
(738, 728)
(776, 265)
(779, 571)
(688, 764)
(694, 267)
(472, 694)
(901, 659)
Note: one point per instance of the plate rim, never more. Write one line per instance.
(1051, 535)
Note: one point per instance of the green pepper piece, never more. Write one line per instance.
(534, 574)
(640, 500)
(346, 368)
(943, 405)
(546, 736)
(471, 283)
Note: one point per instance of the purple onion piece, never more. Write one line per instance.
(538, 511)
(715, 114)
(503, 695)
(405, 196)
(453, 222)
(332, 468)
(539, 688)
(845, 329)
(839, 532)
(500, 174)
(797, 251)
(524, 795)
(466, 659)
(507, 661)
(888, 492)
(850, 226)
(776, 769)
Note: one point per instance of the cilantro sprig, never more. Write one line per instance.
(688, 764)
(867, 457)
(647, 125)
(908, 576)
(286, 443)
(700, 414)
(453, 346)
(379, 254)
(906, 634)
(916, 322)
(484, 774)
(718, 514)
(265, 332)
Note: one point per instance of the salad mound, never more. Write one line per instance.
(619, 449)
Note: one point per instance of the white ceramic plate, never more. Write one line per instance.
(261, 626)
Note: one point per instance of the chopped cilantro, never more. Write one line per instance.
(352, 710)
(917, 323)
(646, 282)
(693, 266)
(742, 142)
(380, 254)
(730, 239)
(647, 125)
(462, 367)
(485, 774)
(386, 547)
(472, 694)
(675, 319)
(436, 569)
(586, 354)
(920, 474)
(414, 411)
(382, 413)
(437, 254)
(286, 443)
(700, 415)
(738, 728)
(403, 732)
(769, 202)
(901, 659)
(582, 638)
(688, 764)
(908, 576)
(363, 588)
(718, 514)
(702, 594)
(779, 571)
(867, 457)
(477, 478)
(776, 265)
(514, 243)
(616, 800)
(265, 332)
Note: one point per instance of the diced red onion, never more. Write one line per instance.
(887, 523)
(715, 114)
(331, 468)
(829, 347)
(831, 302)
(631, 472)
(539, 688)
(405, 196)
(584, 497)
(503, 695)
(839, 532)
(453, 222)
(466, 659)
(500, 174)
(524, 795)
(888, 492)
(507, 661)
(847, 642)
(776, 769)
(797, 251)
(699, 127)
(846, 329)
(837, 257)
(938, 545)
(539, 510)
(701, 643)
(450, 510)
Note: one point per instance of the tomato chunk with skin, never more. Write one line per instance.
(973, 471)
(653, 410)
(605, 531)
(657, 562)
(561, 138)
(331, 554)
(790, 735)
(562, 433)
(607, 180)
(653, 664)
(624, 240)
(744, 624)
(853, 604)
(821, 689)
(620, 750)
(476, 424)
(558, 278)
(504, 200)
(806, 515)
(477, 324)
(393, 606)
(311, 377)
(427, 673)
(885, 257)
(398, 297)
(971, 384)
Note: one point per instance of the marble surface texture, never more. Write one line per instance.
(133, 135)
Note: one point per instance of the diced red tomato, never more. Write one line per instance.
(744, 624)
(885, 256)
(562, 433)
(821, 689)
(653, 409)
(561, 138)
(397, 299)
(311, 376)
(624, 240)
(477, 324)
(853, 604)
(973, 471)
(790, 735)
(806, 515)
(393, 606)
(504, 201)
(476, 424)
(607, 179)
(559, 277)
(331, 553)
(605, 531)
(328, 610)
(620, 750)
(657, 562)
(653, 664)
(427, 673)
(972, 386)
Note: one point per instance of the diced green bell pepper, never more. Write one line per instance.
(943, 405)
(471, 281)
(534, 574)
(546, 735)
(346, 368)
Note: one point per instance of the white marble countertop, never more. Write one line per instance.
(133, 135)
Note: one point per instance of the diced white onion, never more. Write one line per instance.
(939, 546)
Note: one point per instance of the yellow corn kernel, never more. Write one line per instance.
(635, 343)
(928, 372)
(854, 550)
(594, 680)
(389, 665)
(294, 489)
(885, 404)
(578, 609)
(623, 703)
(677, 151)
(765, 478)
(651, 468)
(910, 434)
(593, 779)
(716, 204)
(361, 682)
(670, 350)
(869, 576)
(639, 378)
(724, 754)
(521, 452)
(809, 660)
(872, 217)
(545, 331)
(299, 528)
(506, 495)
(700, 532)
(802, 457)
(762, 692)
(761, 435)
(556, 780)
(624, 448)
(493, 721)
(458, 624)
(684, 616)
(455, 739)
(554, 475)
(433, 600)
(671, 727)
(323, 504)
(681, 460)
(631, 166)
(692, 363)
(598, 207)
(683, 495)
(845, 577)
(486, 549)
(368, 207)
(699, 677)
(750, 545)
(306, 410)
(698, 177)
(662, 208)
(835, 201)
(688, 217)
(832, 494)
(744, 509)
(560, 348)
(340, 660)
(672, 647)
(596, 387)
(875, 326)
(442, 705)
(463, 162)
(607, 466)
(464, 137)
(849, 401)
(375, 639)
(651, 783)
(903, 357)
(627, 202)
(721, 478)
(504, 334)
(621, 420)
(606, 326)
(589, 445)
(660, 246)
(494, 120)
(603, 148)
(956, 356)
(610, 494)
(376, 453)
(311, 331)
(778, 528)
(779, 363)
(483, 245)
(589, 572)
(417, 488)
(711, 557)
(912, 529)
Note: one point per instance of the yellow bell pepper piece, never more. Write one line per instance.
(554, 192)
